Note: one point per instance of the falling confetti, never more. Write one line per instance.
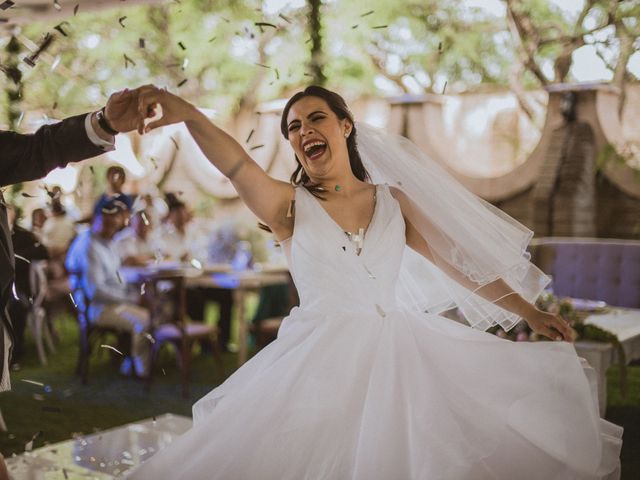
(380, 26)
(128, 60)
(196, 263)
(119, 277)
(20, 257)
(149, 337)
(33, 382)
(286, 19)
(60, 29)
(75, 9)
(164, 373)
(112, 348)
(142, 287)
(57, 5)
(183, 82)
(255, 147)
(145, 220)
(181, 45)
(263, 65)
(353, 27)
(367, 13)
(141, 43)
(73, 300)
(250, 135)
(444, 89)
(121, 21)
(6, 5)
(46, 43)
(54, 65)
(154, 162)
(265, 24)
(27, 195)
(175, 142)
(440, 47)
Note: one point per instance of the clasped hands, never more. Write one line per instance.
(145, 108)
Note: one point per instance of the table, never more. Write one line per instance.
(625, 324)
(215, 276)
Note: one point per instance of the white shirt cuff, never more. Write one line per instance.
(95, 139)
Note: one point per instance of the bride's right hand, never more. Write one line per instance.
(158, 108)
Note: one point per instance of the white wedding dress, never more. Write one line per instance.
(357, 388)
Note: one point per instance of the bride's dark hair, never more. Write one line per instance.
(338, 106)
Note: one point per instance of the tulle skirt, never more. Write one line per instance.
(353, 396)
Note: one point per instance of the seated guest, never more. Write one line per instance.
(115, 180)
(177, 238)
(58, 230)
(135, 244)
(26, 249)
(112, 303)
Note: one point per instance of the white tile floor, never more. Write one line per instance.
(103, 455)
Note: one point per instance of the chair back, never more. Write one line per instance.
(591, 268)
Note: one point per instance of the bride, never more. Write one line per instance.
(366, 380)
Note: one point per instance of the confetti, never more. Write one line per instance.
(286, 19)
(112, 348)
(185, 63)
(13, 290)
(212, 39)
(46, 43)
(181, 45)
(154, 162)
(444, 89)
(353, 27)
(28, 195)
(277, 74)
(33, 382)
(60, 29)
(440, 47)
(141, 42)
(250, 135)
(128, 60)
(64, 471)
(149, 337)
(196, 263)
(145, 220)
(6, 5)
(164, 373)
(73, 300)
(93, 172)
(142, 287)
(182, 82)
(119, 277)
(121, 21)
(20, 257)
(263, 65)
(255, 147)
(265, 24)
(367, 13)
(75, 9)
(175, 142)
(380, 26)
(57, 5)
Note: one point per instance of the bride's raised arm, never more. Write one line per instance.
(267, 197)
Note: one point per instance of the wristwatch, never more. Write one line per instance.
(102, 121)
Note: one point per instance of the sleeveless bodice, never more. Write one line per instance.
(325, 266)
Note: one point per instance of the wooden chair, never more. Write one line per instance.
(90, 334)
(179, 331)
(37, 320)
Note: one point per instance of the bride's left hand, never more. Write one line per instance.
(549, 325)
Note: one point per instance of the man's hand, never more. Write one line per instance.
(121, 111)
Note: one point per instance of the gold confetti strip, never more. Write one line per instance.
(20, 257)
(73, 300)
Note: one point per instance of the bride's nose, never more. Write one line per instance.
(305, 130)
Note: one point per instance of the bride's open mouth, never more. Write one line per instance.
(314, 150)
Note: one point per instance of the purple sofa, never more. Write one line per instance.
(591, 268)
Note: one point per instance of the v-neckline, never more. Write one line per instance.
(339, 228)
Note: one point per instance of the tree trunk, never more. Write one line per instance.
(317, 61)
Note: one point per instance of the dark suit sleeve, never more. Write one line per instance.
(29, 157)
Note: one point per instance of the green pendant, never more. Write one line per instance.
(338, 188)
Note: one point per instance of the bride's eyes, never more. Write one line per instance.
(295, 126)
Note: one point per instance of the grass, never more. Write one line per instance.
(67, 408)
